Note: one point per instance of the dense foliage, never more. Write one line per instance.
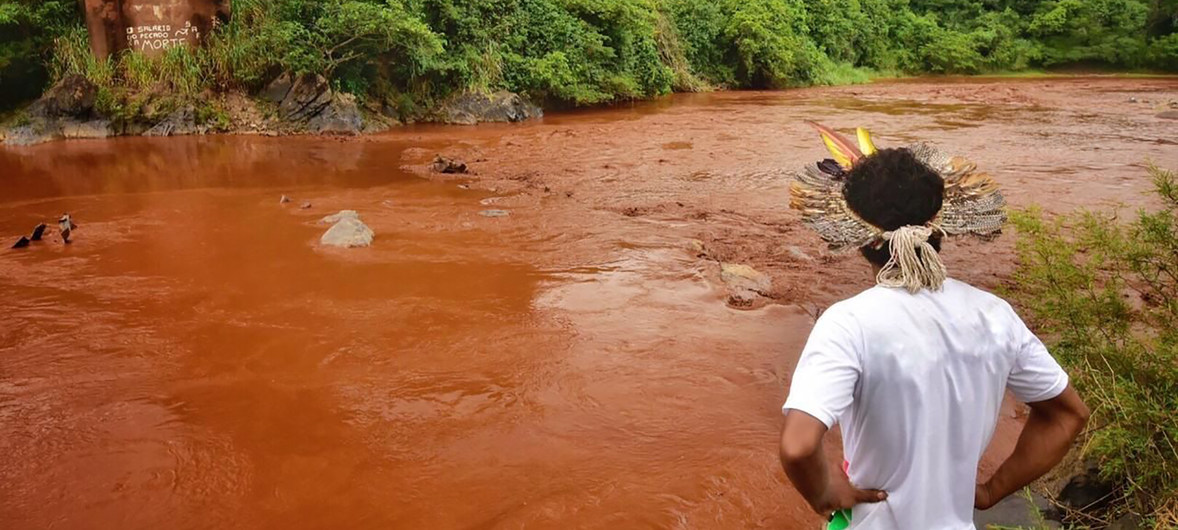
(591, 51)
(1106, 293)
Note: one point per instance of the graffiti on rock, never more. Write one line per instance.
(150, 26)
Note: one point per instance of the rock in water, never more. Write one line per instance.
(340, 216)
(348, 232)
(745, 277)
(745, 284)
(305, 205)
(21, 243)
(475, 107)
(38, 231)
(283, 199)
(448, 165)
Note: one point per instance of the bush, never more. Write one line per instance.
(412, 54)
(1106, 294)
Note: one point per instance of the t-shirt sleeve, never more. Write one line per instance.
(823, 384)
(1035, 375)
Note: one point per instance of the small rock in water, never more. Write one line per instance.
(799, 253)
(745, 277)
(348, 232)
(305, 205)
(21, 243)
(745, 284)
(463, 187)
(38, 231)
(494, 213)
(448, 165)
(283, 200)
(339, 216)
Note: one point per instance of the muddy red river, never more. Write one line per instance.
(195, 359)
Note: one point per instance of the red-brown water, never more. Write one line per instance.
(195, 360)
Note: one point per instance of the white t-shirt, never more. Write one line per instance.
(916, 382)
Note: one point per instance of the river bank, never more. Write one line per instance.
(194, 358)
(299, 105)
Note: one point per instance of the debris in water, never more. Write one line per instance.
(283, 200)
(38, 231)
(494, 213)
(21, 243)
(66, 223)
(448, 165)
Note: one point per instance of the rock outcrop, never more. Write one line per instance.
(66, 110)
(308, 102)
(474, 107)
(340, 116)
(72, 97)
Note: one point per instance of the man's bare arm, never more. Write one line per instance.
(1050, 430)
(805, 464)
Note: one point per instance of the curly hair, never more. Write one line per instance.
(890, 189)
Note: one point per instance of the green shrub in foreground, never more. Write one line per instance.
(1106, 292)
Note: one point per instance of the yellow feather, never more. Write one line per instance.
(835, 152)
(865, 143)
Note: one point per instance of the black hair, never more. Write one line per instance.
(890, 189)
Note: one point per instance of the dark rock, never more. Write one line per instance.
(308, 96)
(70, 128)
(448, 165)
(1015, 511)
(38, 231)
(340, 116)
(21, 243)
(1168, 115)
(276, 91)
(1087, 492)
(476, 107)
(179, 122)
(30, 135)
(72, 97)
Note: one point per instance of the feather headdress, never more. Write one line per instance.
(973, 204)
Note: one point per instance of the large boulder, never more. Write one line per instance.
(348, 233)
(340, 116)
(72, 97)
(476, 107)
(307, 97)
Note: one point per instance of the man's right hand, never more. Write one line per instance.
(841, 494)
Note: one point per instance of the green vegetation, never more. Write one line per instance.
(576, 52)
(1106, 292)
